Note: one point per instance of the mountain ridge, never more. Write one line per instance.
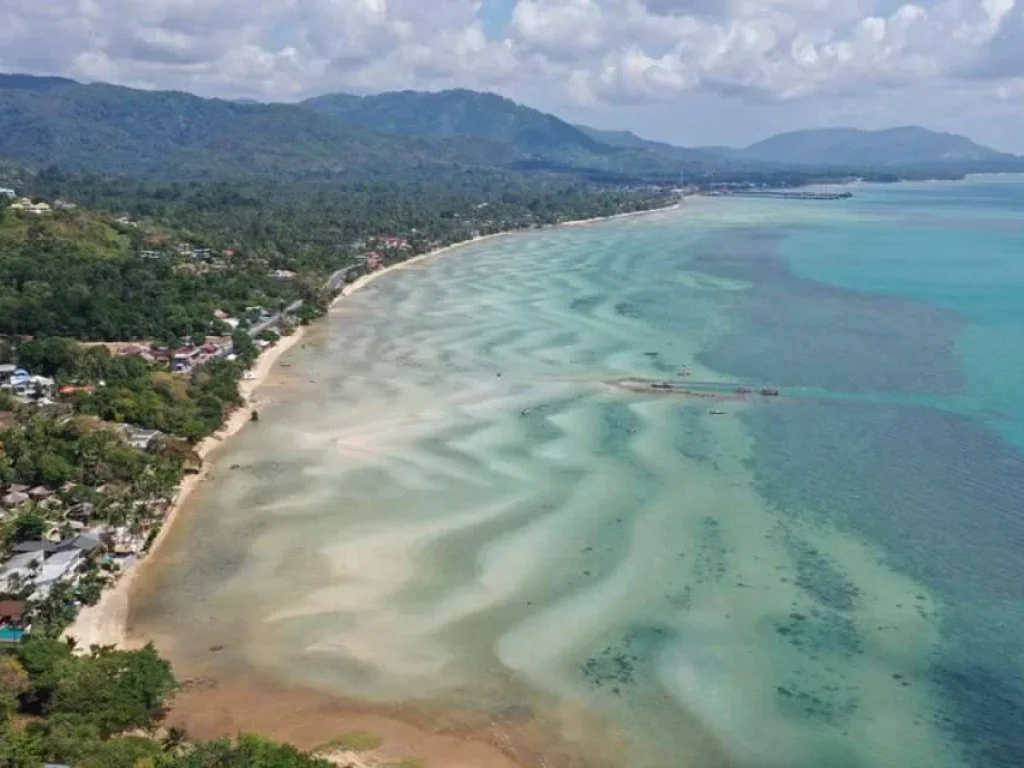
(113, 129)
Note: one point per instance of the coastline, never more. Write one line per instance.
(106, 622)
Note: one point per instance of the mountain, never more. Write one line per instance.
(413, 136)
(549, 141)
(110, 129)
(893, 147)
(448, 114)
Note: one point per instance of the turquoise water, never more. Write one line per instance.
(454, 502)
(10, 634)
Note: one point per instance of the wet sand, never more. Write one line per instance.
(450, 520)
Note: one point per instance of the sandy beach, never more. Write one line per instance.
(106, 623)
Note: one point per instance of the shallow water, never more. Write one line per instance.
(450, 503)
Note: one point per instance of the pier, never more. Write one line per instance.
(783, 195)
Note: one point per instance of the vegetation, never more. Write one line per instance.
(42, 450)
(73, 273)
(126, 389)
(102, 709)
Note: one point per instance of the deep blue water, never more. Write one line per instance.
(907, 313)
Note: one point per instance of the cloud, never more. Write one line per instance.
(584, 52)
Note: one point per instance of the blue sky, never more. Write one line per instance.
(686, 71)
(496, 15)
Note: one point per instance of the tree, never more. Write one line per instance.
(13, 677)
(114, 690)
(28, 526)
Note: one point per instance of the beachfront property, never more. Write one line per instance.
(39, 565)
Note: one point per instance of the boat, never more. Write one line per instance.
(769, 392)
(717, 413)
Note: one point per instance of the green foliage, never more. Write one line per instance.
(249, 752)
(28, 526)
(20, 749)
(43, 659)
(113, 690)
(42, 449)
(122, 752)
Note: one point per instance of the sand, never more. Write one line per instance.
(106, 623)
(304, 717)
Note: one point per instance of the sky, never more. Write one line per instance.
(691, 72)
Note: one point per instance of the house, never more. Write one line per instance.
(140, 438)
(12, 621)
(282, 274)
(8, 193)
(11, 612)
(71, 389)
(82, 512)
(149, 254)
(83, 542)
(34, 387)
(64, 205)
(125, 221)
(34, 547)
(14, 499)
(26, 205)
(6, 372)
(396, 242)
(39, 493)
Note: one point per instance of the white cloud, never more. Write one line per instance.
(579, 51)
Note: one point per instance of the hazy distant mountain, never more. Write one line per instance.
(894, 147)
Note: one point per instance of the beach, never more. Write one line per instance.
(106, 623)
(448, 519)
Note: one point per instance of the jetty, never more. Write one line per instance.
(708, 390)
(779, 194)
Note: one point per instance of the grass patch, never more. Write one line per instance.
(356, 741)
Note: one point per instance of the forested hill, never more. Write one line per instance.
(109, 129)
(458, 113)
(908, 146)
(526, 131)
(410, 137)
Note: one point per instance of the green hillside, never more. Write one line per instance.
(109, 129)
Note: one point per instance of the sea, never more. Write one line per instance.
(465, 495)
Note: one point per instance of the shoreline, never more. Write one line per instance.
(106, 622)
